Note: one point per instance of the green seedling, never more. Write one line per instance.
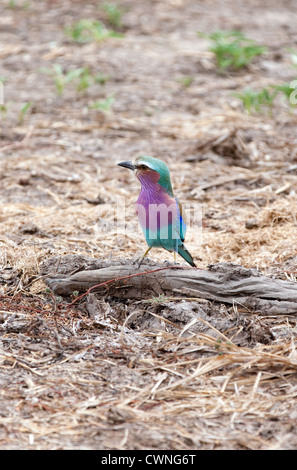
(101, 78)
(220, 344)
(24, 109)
(13, 4)
(255, 101)
(85, 31)
(114, 14)
(62, 78)
(81, 76)
(3, 109)
(232, 49)
(84, 79)
(158, 300)
(186, 81)
(287, 89)
(103, 105)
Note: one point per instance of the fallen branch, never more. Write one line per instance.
(223, 282)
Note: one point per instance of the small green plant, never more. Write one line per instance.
(84, 31)
(101, 78)
(24, 109)
(75, 294)
(232, 49)
(84, 79)
(13, 4)
(3, 109)
(114, 14)
(81, 77)
(254, 101)
(158, 300)
(61, 78)
(186, 81)
(285, 88)
(103, 105)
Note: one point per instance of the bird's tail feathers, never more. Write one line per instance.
(182, 251)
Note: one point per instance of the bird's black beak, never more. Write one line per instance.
(127, 165)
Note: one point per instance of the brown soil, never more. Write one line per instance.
(159, 373)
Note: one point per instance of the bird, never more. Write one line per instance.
(159, 213)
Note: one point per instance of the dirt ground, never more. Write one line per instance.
(161, 373)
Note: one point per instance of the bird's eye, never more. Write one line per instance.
(142, 167)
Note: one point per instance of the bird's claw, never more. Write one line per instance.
(137, 262)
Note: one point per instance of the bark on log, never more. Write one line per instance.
(222, 282)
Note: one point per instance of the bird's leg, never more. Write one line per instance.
(142, 258)
(167, 262)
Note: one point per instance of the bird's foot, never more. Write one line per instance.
(167, 263)
(138, 261)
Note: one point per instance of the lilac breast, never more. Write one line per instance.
(155, 208)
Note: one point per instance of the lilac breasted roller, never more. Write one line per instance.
(159, 212)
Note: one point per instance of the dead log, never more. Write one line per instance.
(222, 282)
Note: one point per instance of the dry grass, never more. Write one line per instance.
(144, 375)
(181, 392)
